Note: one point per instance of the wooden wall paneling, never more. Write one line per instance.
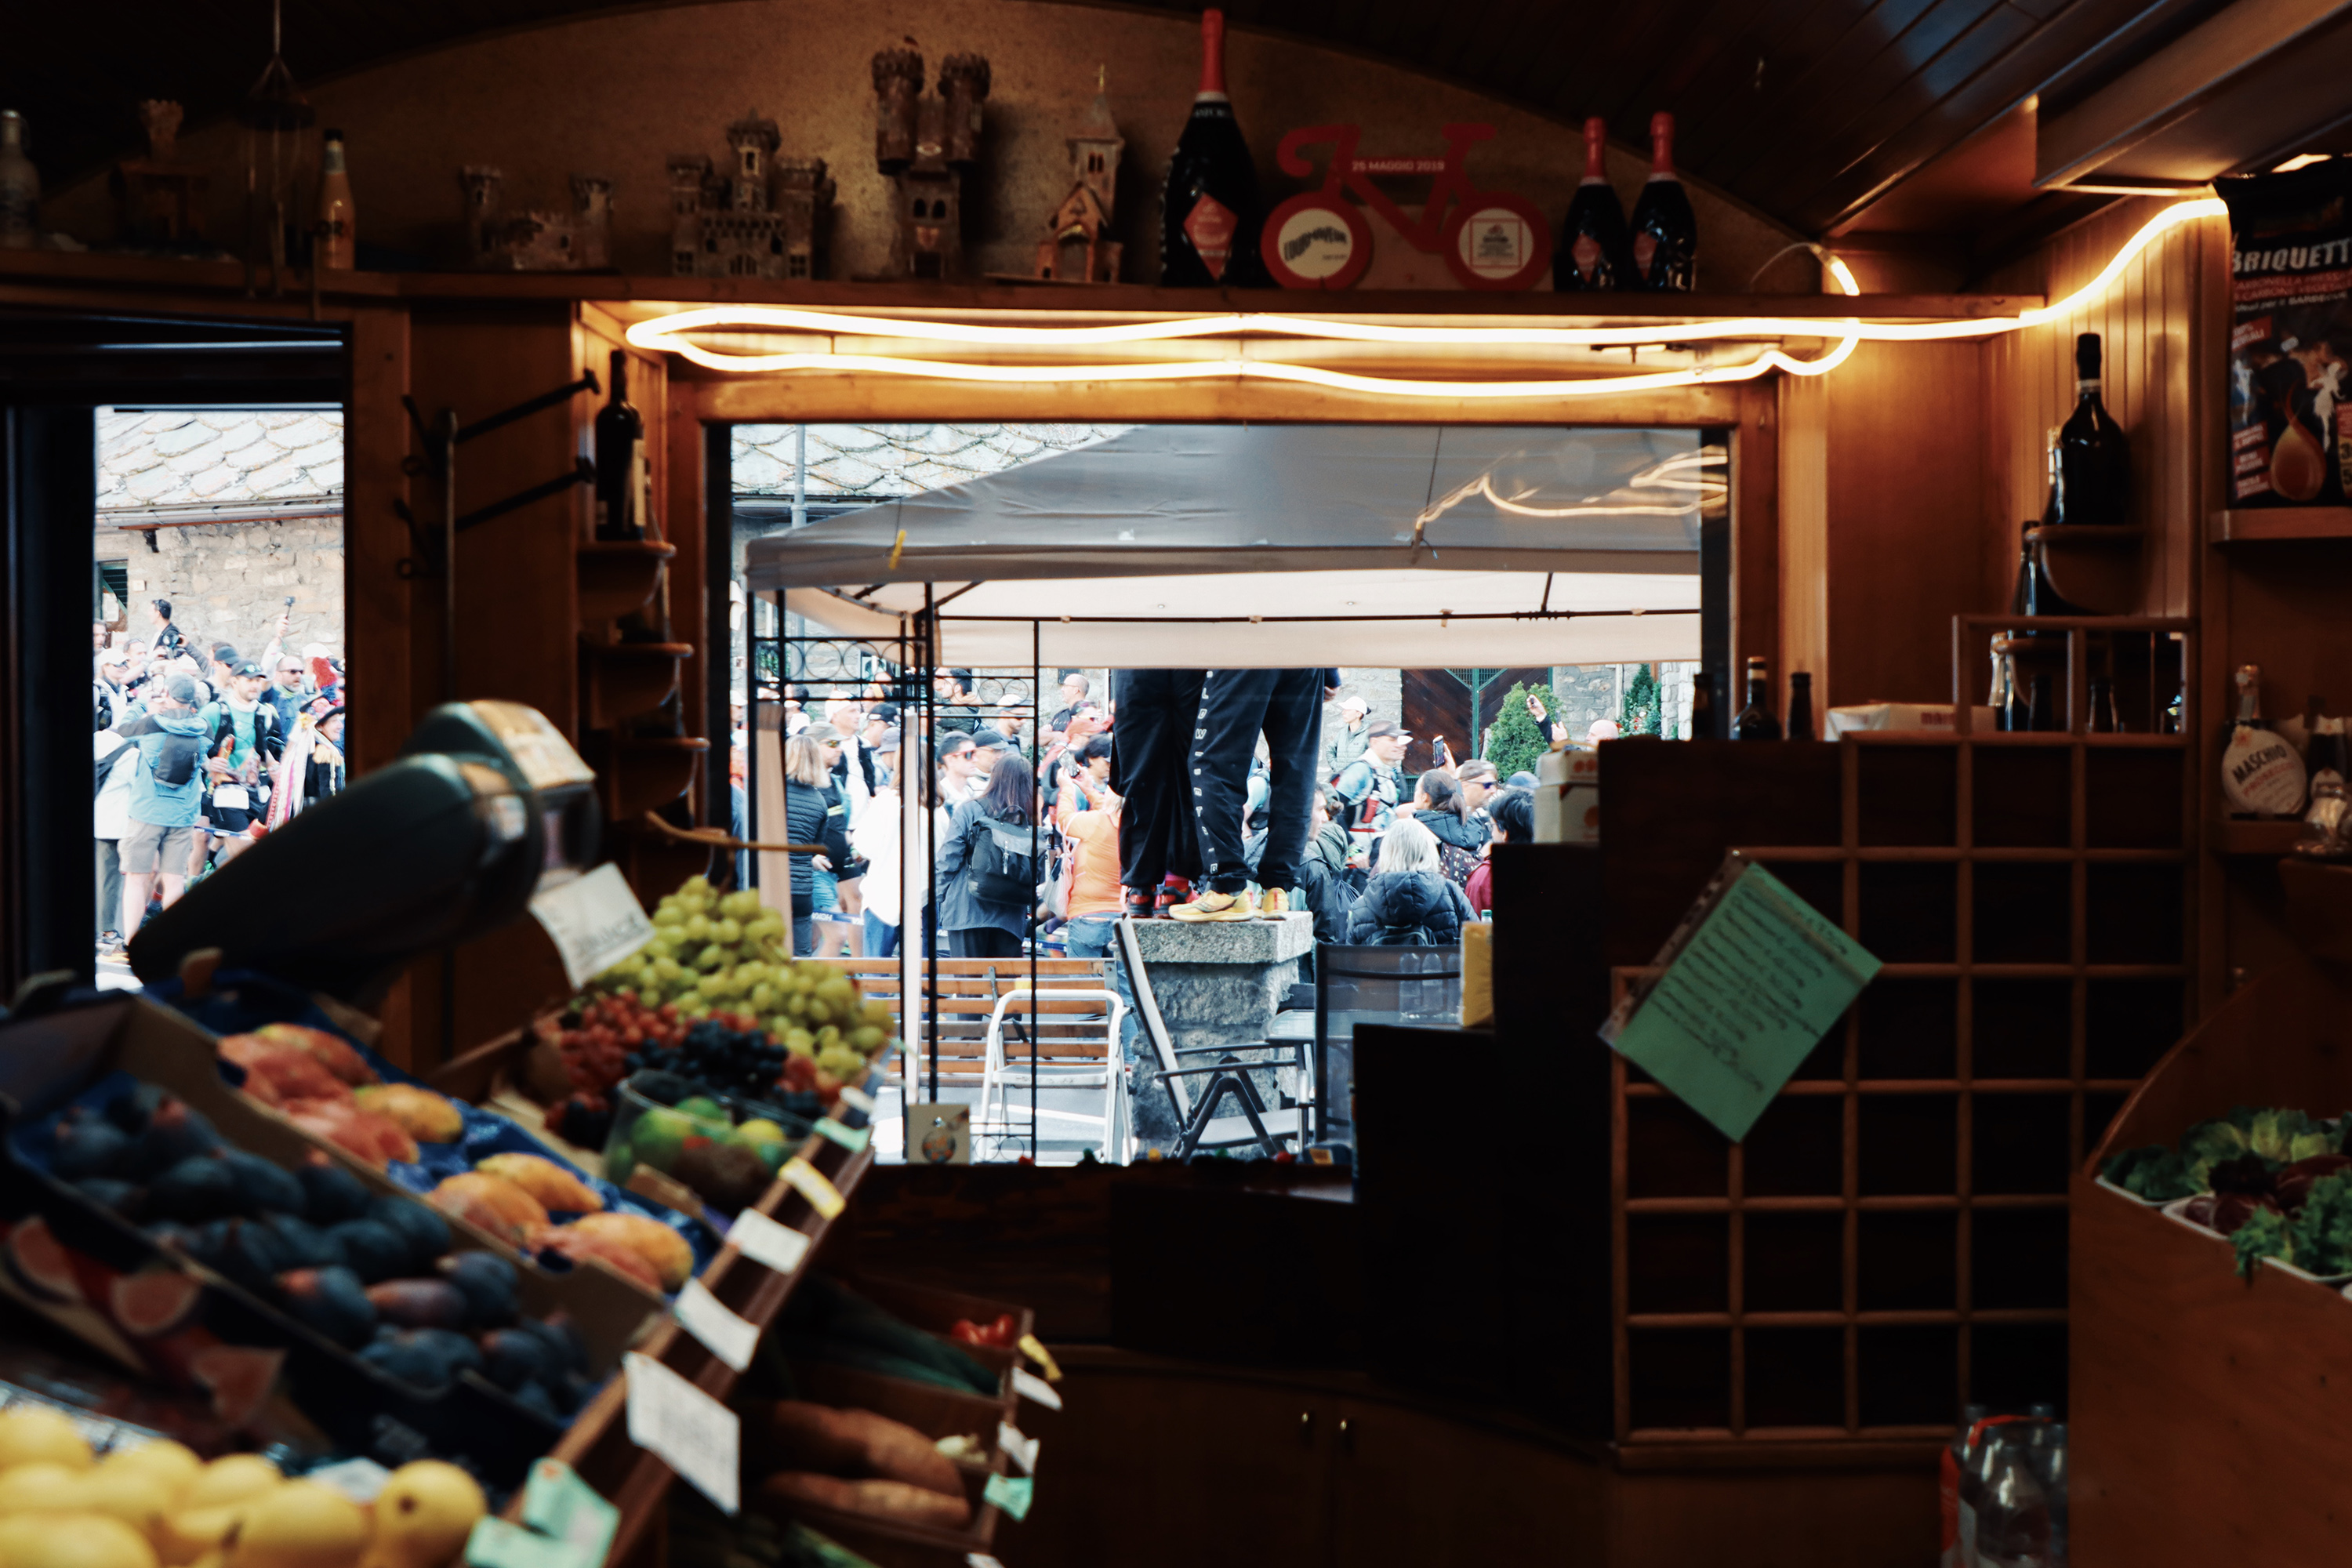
(1755, 564)
(1804, 532)
(518, 608)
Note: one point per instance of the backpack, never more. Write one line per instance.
(1001, 870)
(1456, 863)
(104, 766)
(175, 761)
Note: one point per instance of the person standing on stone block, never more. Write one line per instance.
(1151, 746)
(1236, 707)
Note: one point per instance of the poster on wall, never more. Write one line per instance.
(2291, 336)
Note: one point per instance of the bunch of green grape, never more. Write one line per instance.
(715, 953)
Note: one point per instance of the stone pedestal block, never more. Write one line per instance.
(1217, 984)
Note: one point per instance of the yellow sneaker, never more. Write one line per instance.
(1274, 904)
(1214, 906)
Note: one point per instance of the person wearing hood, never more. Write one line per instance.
(1408, 903)
(166, 793)
(1440, 805)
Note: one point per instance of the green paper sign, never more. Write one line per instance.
(1011, 1493)
(1753, 978)
(850, 1138)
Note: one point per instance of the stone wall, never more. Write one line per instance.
(227, 582)
(1591, 692)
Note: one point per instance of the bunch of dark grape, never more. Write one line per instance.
(727, 1060)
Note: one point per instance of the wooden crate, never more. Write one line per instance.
(1890, 1241)
(2209, 1419)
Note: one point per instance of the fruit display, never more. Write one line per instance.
(659, 1123)
(714, 999)
(329, 1089)
(159, 1504)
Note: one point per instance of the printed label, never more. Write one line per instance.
(594, 922)
(766, 1243)
(810, 1183)
(1210, 226)
(2261, 773)
(685, 1428)
(1497, 242)
(1315, 244)
(709, 1319)
(1645, 246)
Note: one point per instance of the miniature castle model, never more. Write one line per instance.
(502, 241)
(1074, 249)
(925, 145)
(760, 220)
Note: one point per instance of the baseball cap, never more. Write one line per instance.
(991, 740)
(251, 668)
(1387, 727)
(822, 734)
(886, 712)
(890, 740)
(1355, 700)
(182, 689)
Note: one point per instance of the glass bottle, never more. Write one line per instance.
(2094, 460)
(1997, 695)
(338, 238)
(2041, 707)
(1754, 721)
(1958, 1454)
(20, 187)
(1665, 231)
(1702, 706)
(2019, 716)
(620, 461)
(1594, 240)
(2261, 774)
(2103, 707)
(1801, 706)
(1209, 212)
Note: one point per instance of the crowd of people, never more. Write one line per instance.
(196, 752)
(1025, 838)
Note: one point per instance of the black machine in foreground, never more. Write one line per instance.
(486, 804)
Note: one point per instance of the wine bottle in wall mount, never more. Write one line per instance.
(336, 241)
(1755, 721)
(2094, 458)
(2261, 774)
(1594, 249)
(1208, 212)
(1801, 706)
(620, 462)
(1666, 232)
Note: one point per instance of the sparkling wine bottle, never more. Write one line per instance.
(2261, 775)
(1594, 243)
(2094, 458)
(1209, 212)
(1666, 232)
(620, 462)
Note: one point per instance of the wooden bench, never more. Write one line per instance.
(1066, 1031)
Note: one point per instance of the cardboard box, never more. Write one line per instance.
(1933, 717)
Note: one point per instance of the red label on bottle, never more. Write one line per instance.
(1211, 226)
(1586, 252)
(1645, 246)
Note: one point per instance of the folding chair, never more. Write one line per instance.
(1200, 1126)
(999, 1074)
(1357, 985)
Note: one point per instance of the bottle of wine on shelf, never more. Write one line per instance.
(1996, 698)
(2094, 458)
(2041, 708)
(1702, 706)
(1666, 232)
(1755, 721)
(338, 238)
(2261, 774)
(620, 462)
(2104, 721)
(1208, 212)
(1801, 706)
(2018, 717)
(1595, 247)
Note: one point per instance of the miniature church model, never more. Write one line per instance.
(500, 240)
(1075, 247)
(762, 219)
(927, 146)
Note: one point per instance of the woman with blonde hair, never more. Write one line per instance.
(813, 815)
(1409, 904)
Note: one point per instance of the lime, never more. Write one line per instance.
(658, 1136)
(702, 1108)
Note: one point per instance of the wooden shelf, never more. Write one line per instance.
(2282, 523)
(616, 578)
(2236, 835)
(643, 773)
(629, 679)
(83, 268)
(2094, 566)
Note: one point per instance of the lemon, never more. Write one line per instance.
(31, 1434)
(230, 1479)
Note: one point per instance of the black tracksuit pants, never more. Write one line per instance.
(1151, 742)
(1235, 706)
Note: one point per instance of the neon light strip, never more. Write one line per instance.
(666, 333)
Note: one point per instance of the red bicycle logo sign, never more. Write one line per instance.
(1319, 240)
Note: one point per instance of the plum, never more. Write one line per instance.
(131, 1110)
(330, 1300)
(124, 1199)
(199, 1188)
(427, 1233)
(263, 1187)
(372, 1249)
(487, 1283)
(91, 1147)
(418, 1303)
(512, 1358)
(301, 1245)
(331, 1194)
(174, 1133)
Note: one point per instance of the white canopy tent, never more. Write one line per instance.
(1282, 546)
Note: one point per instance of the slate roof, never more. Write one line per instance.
(881, 461)
(181, 458)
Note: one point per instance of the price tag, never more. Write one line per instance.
(685, 1428)
(496, 1544)
(708, 1319)
(850, 1138)
(857, 1098)
(1022, 1449)
(809, 1182)
(594, 922)
(1011, 1493)
(557, 1502)
(1029, 1385)
(766, 1243)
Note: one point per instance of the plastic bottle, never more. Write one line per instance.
(2013, 1516)
(1953, 1466)
(2051, 1467)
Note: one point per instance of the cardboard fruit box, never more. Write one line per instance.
(150, 1308)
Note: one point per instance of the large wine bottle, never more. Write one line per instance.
(1665, 233)
(1209, 212)
(620, 462)
(1594, 249)
(2094, 460)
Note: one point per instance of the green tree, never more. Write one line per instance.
(1642, 712)
(1516, 742)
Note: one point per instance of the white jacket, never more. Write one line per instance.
(111, 813)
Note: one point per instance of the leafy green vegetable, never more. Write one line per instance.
(2323, 1228)
(2154, 1173)
(2266, 1235)
(2210, 1143)
(2287, 1136)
